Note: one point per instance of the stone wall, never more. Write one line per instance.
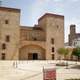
(9, 26)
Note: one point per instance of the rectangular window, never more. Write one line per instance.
(3, 56)
(52, 49)
(6, 22)
(52, 41)
(52, 56)
(3, 46)
(34, 39)
(7, 38)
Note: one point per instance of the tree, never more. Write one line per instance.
(76, 52)
(63, 51)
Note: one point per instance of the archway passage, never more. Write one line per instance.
(32, 52)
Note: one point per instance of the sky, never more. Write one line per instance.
(31, 10)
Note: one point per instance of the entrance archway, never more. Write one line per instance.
(32, 52)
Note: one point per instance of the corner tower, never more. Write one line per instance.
(53, 25)
(72, 34)
(9, 33)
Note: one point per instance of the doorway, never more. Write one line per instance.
(33, 56)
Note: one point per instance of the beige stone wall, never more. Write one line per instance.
(31, 34)
(43, 23)
(55, 30)
(13, 30)
(24, 32)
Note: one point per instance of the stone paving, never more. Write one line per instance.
(33, 70)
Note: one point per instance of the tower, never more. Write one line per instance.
(72, 35)
(72, 29)
(9, 33)
(53, 25)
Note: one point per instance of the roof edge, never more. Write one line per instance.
(50, 15)
(9, 9)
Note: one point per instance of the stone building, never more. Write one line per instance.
(73, 35)
(39, 42)
(76, 42)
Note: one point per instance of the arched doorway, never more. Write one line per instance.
(32, 52)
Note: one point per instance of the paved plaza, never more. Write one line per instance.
(33, 70)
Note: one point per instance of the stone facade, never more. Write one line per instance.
(39, 42)
(9, 33)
